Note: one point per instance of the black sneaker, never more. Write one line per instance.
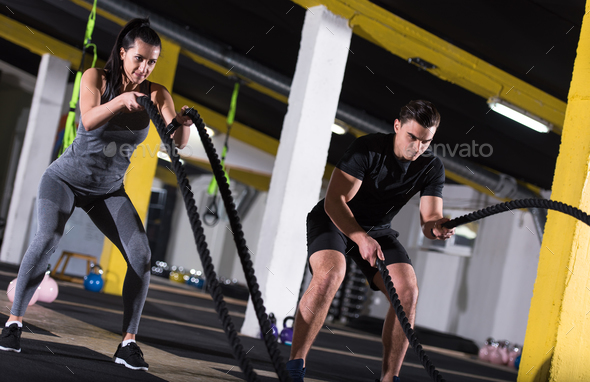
(10, 338)
(296, 370)
(130, 356)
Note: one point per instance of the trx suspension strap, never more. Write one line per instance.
(70, 129)
(211, 216)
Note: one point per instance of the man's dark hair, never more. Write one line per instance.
(420, 111)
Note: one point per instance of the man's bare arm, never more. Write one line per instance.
(342, 188)
(431, 218)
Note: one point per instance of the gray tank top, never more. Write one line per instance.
(97, 160)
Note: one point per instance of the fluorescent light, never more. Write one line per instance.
(519, 115)
(465, 232)
(336, 129)
(210, 131)
(339, 127)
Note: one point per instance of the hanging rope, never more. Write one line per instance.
(215, 289)
(70, 128)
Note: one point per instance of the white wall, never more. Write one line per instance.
(182, 250)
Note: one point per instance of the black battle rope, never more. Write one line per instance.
(243, 251)
(258, 303)
(406, 326)
(193, 215)
(480, 214)
(519, 203)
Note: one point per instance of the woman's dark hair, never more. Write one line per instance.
(420, 111)
(134, 29)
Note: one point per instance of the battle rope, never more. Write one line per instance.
(406, 326)
(519, 203)
(189, 201)
(480, 214)
(196, 225)
(243, 251)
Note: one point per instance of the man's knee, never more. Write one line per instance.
(408, 296)
(328, 268)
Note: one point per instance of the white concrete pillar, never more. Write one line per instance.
(297, 175)
(35, 155)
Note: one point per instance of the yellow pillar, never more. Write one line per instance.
(557, 342)
(140, 174)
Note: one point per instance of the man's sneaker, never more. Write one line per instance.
(10, 338)
(395, 379)
(130, 356)
(296, 370)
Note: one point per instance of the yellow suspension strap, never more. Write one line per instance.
(211, 216)
(70, 129)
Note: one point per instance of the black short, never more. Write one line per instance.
(322, 234)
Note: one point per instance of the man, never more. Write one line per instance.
(377, 176)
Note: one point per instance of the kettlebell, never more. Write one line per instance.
(93, 280)
(273, 324)
(287, 332)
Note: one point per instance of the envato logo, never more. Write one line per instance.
(463, 150)
(142, 150)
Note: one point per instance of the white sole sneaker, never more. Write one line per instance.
(9, 349)
(121, 361)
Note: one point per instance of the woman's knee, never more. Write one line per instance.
(139, 255)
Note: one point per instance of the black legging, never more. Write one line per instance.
(114, 215)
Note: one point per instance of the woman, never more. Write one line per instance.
(90, 175)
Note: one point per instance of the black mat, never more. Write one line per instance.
(48, 361)
(206, 345)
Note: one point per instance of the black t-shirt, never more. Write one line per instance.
(388, 183)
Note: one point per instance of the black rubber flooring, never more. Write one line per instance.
(36, 363)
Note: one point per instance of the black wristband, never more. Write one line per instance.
(173, 126)
(175, 123)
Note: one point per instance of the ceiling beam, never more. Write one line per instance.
(37, 42)
(196, 58)
(13, 31)
(453, 64)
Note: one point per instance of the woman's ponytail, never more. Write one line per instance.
(134, 29)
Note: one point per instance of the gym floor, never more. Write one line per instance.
(74, 338)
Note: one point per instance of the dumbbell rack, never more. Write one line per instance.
(351, 296)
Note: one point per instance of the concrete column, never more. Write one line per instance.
(556, 346)
(35, 154)
(297, 175)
